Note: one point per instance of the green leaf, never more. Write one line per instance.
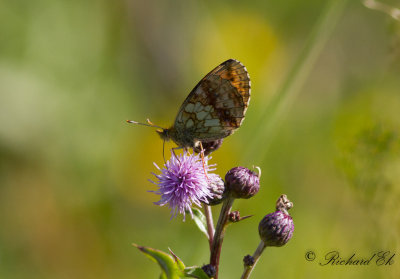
(195, 272)
(178, 261)
(200, 220)
(171, 269)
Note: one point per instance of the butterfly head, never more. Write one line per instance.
(164, 134)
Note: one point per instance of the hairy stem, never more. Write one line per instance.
(210, 224)
(220, 233)
(256, 256)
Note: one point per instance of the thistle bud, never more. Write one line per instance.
(276, 228)
(248, 260)
(242, 183)
(234, 216)
(217, 188)
(209, 270)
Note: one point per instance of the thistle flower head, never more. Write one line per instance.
(182, 183)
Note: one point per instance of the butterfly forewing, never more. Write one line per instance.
(216, 107)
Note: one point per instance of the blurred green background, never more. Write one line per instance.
(74, 176)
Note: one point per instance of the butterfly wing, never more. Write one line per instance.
(216, 107)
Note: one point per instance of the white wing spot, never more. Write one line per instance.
(198, 107)
(201, 115)
(199, 125)
(189, 107)
(189, 123)
(212, 122)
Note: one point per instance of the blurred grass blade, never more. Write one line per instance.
(170, 268)
(200, 220)
(281, 101)
(382, 7)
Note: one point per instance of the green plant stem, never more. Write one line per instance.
(220, 233)
(210, 224)
(291, 86)
(256, 256)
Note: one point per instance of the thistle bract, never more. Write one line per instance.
(217, 189)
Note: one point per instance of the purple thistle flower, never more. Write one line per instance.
(182, 182)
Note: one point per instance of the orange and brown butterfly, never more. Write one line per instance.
(213, 110)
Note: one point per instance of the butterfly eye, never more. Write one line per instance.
(164, 135)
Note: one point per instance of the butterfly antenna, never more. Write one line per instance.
(148, 124)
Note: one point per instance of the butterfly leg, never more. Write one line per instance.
(202, 159)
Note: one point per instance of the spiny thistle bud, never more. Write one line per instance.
(248, 260)
(217, 188)
(242, 183)
(276, 228)
(234, 216)
(209, 146)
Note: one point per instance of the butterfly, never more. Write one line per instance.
(213, 110)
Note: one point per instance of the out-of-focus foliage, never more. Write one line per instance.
(73, 175)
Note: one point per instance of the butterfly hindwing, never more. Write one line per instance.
(216, 107)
